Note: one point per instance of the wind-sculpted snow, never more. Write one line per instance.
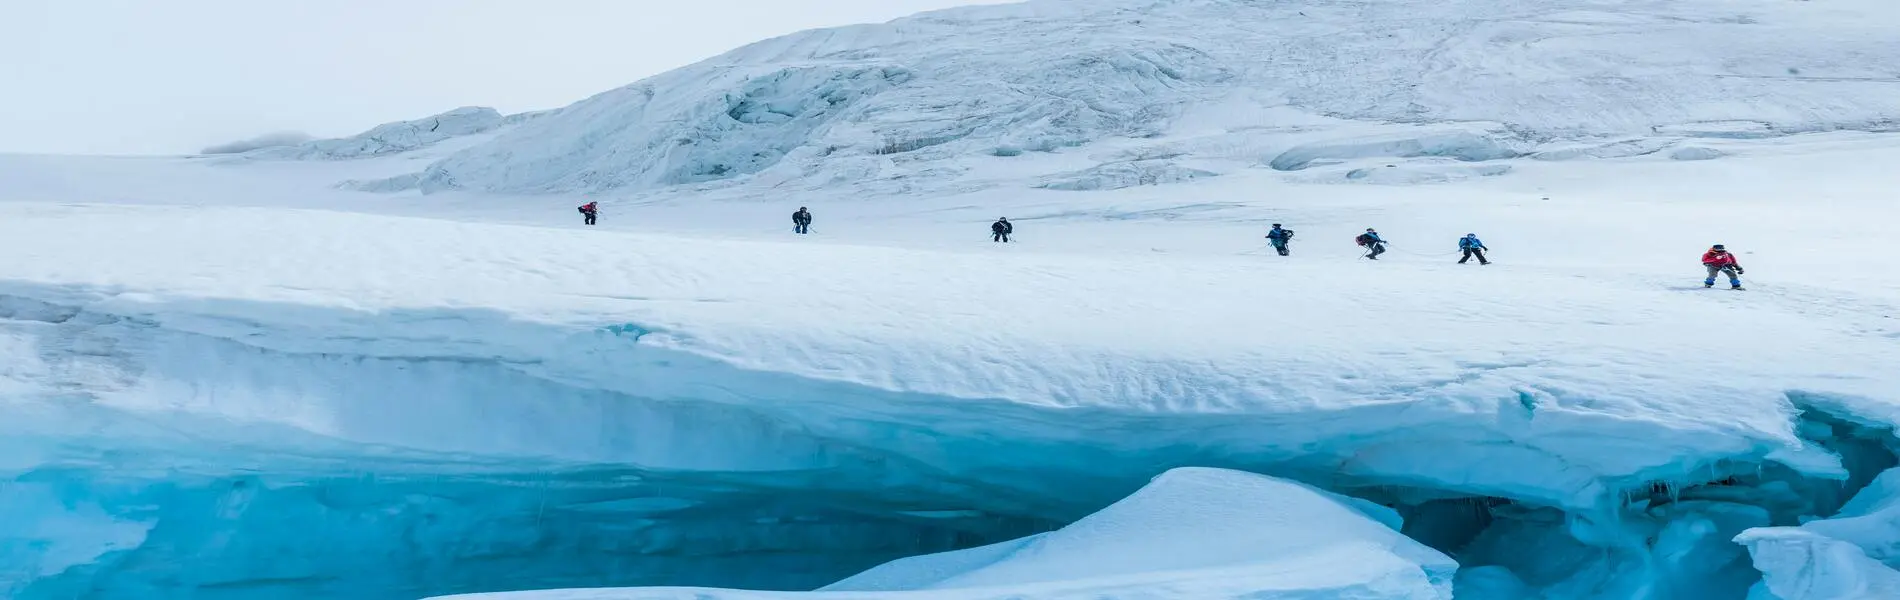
(1046, 75)
(1192, 533)
(184, 418)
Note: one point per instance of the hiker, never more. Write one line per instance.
(1279, 237)
(590, 211)
(1472, 247)
(1000, 230)
(801, 221)
(1720, 262)
(1372, 242)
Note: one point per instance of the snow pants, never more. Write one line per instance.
(589, 217)
(1734, 279)
(1279, 247)
(1376, 250)
(801, 228)
(999, 237)
(1470, 252)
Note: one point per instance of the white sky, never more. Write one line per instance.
(151, 76)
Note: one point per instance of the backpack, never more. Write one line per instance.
(1464, 243)
(1363, 239)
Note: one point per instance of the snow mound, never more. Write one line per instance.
(1118, 175)
(1197, 520)
(1046, 75)
(1191, 533)
(392, 138)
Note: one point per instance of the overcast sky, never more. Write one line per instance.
(148, 76)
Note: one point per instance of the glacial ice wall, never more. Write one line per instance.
(1041, 76)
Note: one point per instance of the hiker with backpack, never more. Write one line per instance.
(1719, 262)
(801, 221)
(1472, 247)
(589, 211)
(1371, 241)
(1000, 230)
(1279, 238)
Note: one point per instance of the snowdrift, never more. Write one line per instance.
(1046, 75)
(1192, 533)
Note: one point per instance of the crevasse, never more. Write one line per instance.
(378, 475)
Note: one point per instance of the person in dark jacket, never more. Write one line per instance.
(1719, 262)
(1000, 230)
(1472, 247)
(589, 211)
(1279, 238)
(801, 221)
(1374, 244)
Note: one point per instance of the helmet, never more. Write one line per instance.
(1276, 224)
(1718, 247)
(1471, 235)
(1368, 229)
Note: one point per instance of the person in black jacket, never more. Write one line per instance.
(589, 211)
(801, 221)
(1000, 230)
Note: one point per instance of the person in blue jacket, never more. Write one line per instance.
(1472, 247)
(1373, 244)
(1279, 238)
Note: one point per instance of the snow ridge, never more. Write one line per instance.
(394, 138)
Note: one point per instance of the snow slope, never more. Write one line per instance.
(1193, 533)
(1236, 82)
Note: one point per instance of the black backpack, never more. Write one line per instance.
(1363, 239)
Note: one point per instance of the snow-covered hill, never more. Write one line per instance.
(1238, 83)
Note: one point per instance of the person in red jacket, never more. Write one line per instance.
(1720, 262)
(589, 211)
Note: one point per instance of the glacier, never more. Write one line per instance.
(394, 365)
(1231, 80)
